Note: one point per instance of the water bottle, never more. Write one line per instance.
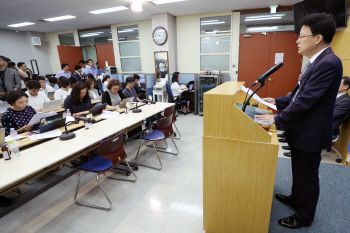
(14, 134)
(69, 113)
(13, 146)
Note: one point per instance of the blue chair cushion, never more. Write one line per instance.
(97, 164)
(155, 135)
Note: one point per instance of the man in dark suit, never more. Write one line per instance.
(308, 116)
(342, 104)
(77, 73)
(9, 78)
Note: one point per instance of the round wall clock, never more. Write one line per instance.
(160, 35)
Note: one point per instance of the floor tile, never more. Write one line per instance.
(176, 225)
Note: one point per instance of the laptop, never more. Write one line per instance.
(51, 95)
(51, 106)
(51, 123)
(97, 109)
(130, 99)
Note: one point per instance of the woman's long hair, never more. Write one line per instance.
(175, 77)
(75, 94)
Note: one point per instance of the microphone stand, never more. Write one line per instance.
(68, 135)
(246, 102)
(137, 110)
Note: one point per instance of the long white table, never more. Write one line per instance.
(38, 158)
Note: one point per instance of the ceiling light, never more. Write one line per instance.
(209, 21)
(20, 24)
(158, 2)
(220, 22)
(261, 28)
(269, 18)
(109, 39)
(122, 38)
(90, 34)
(215, 32)
(137, 5)
(264, 17)
(107, 10)
(98, 32)
(60, 18)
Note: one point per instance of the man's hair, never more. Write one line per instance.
(72, 81)
(19, 64)
(13, 96)
(346, 81)
(26, 79)
(33, 84)
(175, 77)
(53, 80)
(41, 78)
(136, 77)
(77, 67)
(130, 80)
(3, 57)
(35, 77)
(320, 24)
(81, 61)
(64, 82)
(89, 60)
(114, 82)
(64, 65)
(12, 64)
(75, 94)
(89, 75)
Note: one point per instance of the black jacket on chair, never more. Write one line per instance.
(341, 111)
(308, 120)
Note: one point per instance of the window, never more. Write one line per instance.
(215, 42)
(66, 39)
(129, 48)
(95, 36)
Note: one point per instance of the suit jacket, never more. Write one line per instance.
(308, 120)
(12, 80)
(77, 76)
(341, 111)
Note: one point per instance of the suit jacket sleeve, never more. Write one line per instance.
(17, 80)
(341, 110)
(283, 101)
(316, 87)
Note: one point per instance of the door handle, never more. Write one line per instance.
(270, 79)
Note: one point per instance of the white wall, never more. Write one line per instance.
(19, 48)
(53, 41)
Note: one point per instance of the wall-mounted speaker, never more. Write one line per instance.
(36, 41)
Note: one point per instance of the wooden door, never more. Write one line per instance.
(70, 55)
(105, 53)
(253, 59)
(285, 79)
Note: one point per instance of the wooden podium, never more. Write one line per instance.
(239, 165)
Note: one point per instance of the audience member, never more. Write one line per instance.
(177, 91)
(9, 78)
(12, 65)
(36, 98)
(90, 69)
(72, 81)
(44, 87)
(78, 102)
(129, 90)
(61, 94)
(90, 85)
(30, 73)
(53, 83)
(342, 105)
(82, 64)
(26, 80)
(137, 83)
(113, 96)
(64, 72)
(22, 70)
(105, 82)
(77, 73)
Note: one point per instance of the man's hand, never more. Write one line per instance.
(269, 100)
(15, 89)
(266, 117)
(3, 93)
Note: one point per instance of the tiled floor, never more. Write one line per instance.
(166, 201)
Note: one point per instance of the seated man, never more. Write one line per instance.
(77, 73)
(129, 90)
(45, 88)
(64, 72)
(53, 83)
(36, 98)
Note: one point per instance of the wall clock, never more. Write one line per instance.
(159, 35)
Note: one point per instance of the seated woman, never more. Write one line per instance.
(90, 85)
(19, 114)
(64, 91)
(113, 96)
(177, 91)
(105, 82)
(78, 102)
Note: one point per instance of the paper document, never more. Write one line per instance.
(108, 114)
(9, 138)
(36, 118)
(49, 134)
(183, 86)
(279, 58)
(257, 98)
(69, 119)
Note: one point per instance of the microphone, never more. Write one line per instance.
(136, 110)
(263, 77)
(89, 120)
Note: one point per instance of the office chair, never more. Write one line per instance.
(164, 130)
(101, 88)
(171, 99)
(112, 153)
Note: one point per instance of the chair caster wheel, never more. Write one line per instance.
(338, 160)
(128, 173)
(174, 134)
(135, 169)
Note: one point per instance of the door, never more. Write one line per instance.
(105, 53)
(253, 59)
(70, 55)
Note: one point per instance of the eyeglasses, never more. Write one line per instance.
(301, 37)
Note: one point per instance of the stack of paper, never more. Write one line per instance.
(49, 134)
(108, 114)
(9, 138)
(257, 98)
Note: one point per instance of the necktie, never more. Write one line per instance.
(302, 74)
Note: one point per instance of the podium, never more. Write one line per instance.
(239, 165)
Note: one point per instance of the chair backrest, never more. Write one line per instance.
(170, 111)
(101, 88)
(165, 126)
(113, 149)
(170, 93)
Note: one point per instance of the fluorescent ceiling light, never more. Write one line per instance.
(60, 18)
(122, 38)
(98, 32)
(107, 10)
(264, 17)
(214, 32)
(109, 39)
(261, 28)
(209, 21)
(90, 34)
(269, 18)
(220, 22)
(20, 24)
(137, 5)
(126, 30)
(158, 2)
